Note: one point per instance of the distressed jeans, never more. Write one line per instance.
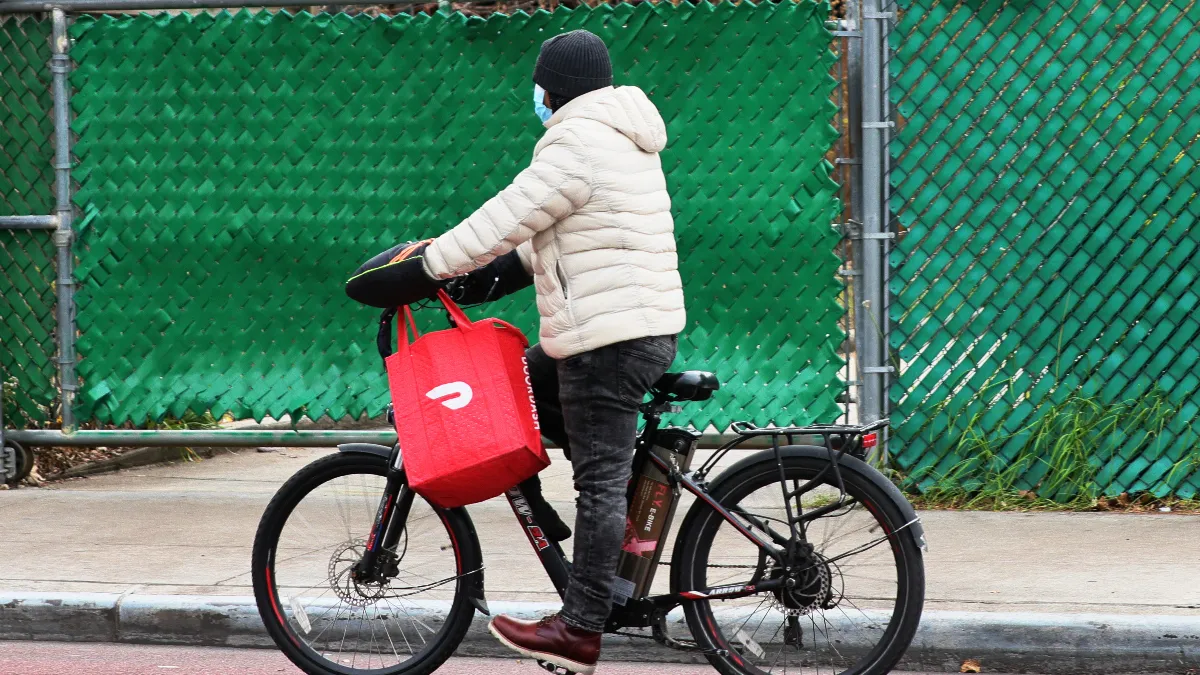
(588, 405)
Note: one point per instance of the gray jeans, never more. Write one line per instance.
(588, 404)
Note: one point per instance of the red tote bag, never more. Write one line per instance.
(464, 409)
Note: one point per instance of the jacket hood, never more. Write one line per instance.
(626, 109)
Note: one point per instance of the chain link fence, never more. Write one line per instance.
(1047, 272)
(27, 322)
(1019, 177)
(233, 167)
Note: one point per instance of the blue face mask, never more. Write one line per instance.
(539, 108)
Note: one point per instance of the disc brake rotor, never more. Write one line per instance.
(341, 576)
(810, 589)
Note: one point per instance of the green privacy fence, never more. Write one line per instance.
(1047, 288)
(233, 169)
(26, 187)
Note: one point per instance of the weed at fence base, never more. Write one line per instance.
(1059, 461)
(52, 462)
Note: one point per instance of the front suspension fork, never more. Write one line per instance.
(390, 519)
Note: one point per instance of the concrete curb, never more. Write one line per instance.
(1050, 643)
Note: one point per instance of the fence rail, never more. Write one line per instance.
(27, 6)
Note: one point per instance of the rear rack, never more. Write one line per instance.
(838, 439)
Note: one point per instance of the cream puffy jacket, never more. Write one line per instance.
(591, 221)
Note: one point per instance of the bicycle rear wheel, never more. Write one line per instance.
(309, 539)
(854, 602)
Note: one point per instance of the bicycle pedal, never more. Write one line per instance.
(552, 668)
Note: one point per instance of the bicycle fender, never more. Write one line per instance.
(366, 449)
(850, 462)
(473, 557)
(473, 553)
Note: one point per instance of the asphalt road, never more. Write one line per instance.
(93, 658)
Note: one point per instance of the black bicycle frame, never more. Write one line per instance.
(393, 510)
(549, 552)
(558, 569)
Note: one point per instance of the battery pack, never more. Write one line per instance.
(647, 523)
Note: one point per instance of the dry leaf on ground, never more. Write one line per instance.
(971, 666)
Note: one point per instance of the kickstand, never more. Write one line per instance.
(661, 636)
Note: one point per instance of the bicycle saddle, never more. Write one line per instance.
(690, 385)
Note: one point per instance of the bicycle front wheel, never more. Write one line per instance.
(852, 599)
(309, 539)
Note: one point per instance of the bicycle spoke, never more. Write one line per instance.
(391, 642)
(402, 634)
(751, 616)
(772, 640)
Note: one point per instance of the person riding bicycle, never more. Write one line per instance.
(589, 225)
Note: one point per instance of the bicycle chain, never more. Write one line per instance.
(667, 563)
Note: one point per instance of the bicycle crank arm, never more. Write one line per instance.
(732, 592)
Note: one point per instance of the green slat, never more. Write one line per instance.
(27, 345)
(240, 165)
(1044, 171)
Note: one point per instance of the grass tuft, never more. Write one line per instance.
(189, 422)
(1064, 460)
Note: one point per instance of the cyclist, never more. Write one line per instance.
(588, 223)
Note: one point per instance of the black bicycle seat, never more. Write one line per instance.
(690, 385)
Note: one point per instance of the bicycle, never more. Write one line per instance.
(747, 538)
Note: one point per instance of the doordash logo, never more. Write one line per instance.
(459, 392)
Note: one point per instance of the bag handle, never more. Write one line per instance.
(405, 321)
(457, 316)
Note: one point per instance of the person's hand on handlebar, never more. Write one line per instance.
(397, 277)
(393, 278)
(503, 276)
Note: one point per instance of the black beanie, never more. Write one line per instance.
(573, 64)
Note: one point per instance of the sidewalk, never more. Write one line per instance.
(186, 530)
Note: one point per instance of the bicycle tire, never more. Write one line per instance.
(466, 552)
(23, 464)
(881, 499)
(27, 461)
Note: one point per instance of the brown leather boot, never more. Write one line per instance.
(550, 640)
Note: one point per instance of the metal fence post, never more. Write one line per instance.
(872, 364)
(888, 222)
(60, 66)
(3, 471)
(854, 51)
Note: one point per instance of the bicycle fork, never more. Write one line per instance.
(379, 559)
